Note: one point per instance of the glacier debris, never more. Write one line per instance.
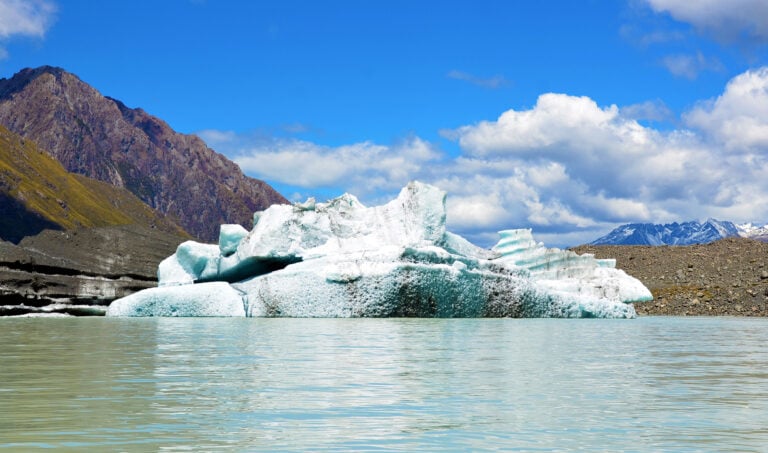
(343, 259)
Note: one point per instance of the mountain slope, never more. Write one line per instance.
(37, 193)
(100, 137)
(685, 233)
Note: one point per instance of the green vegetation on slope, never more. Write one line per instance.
(36, 192)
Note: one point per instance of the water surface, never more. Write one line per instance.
(682, 384)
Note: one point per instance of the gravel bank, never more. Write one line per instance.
(724, 278)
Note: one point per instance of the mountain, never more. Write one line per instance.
(100, 137)
(759, 233)
(685, 233)
(37, 193)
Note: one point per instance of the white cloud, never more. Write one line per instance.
(494, 82)
(556, 120)
(216, 138)
(361, 167)
(571, 165)
(726, 21)
(591, 143)
(475, 210)
(24, 18)
(738, 119)
(690, 66)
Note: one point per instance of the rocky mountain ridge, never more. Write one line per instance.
(102, 138)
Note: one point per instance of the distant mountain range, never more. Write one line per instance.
(99, 137)
(685, 233)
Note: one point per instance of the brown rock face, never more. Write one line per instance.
(100, 137)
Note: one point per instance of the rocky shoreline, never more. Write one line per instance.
(728, 277)
(80, 272)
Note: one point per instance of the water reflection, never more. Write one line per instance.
(293, 384)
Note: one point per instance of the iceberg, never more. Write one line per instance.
(343, 259)
(205, 299)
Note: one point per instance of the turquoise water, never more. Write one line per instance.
(650, 384)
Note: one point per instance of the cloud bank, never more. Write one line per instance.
(567, 167)
(364, 166)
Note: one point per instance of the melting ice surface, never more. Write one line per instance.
(342, 259)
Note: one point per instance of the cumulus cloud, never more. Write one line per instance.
(572, 165)
(737, 119)
(24, 18)
(494, 82)
(726, 21)
(569, 164)
(556, 120)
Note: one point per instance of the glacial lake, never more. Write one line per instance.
(649, 384)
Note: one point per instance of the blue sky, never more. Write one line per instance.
(569, 117)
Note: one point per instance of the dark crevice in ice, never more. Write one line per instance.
(251, 267)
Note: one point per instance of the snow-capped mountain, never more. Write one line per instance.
(749, 230)
(685, 233)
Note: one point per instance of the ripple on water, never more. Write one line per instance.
(384, 384)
